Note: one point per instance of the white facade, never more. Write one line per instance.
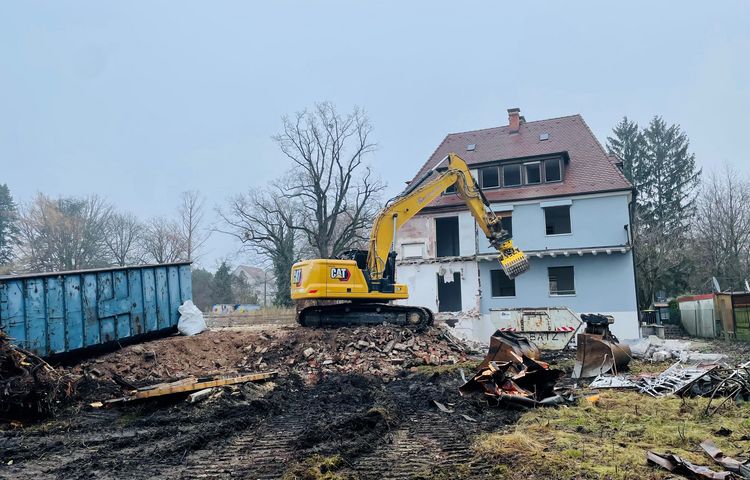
(596, 253)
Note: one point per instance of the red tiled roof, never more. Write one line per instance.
(589, 170)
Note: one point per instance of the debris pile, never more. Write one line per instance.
(655, 349)
(687, 380)
(380, 350)
(29, 387)
(675, 464)
(509, 376)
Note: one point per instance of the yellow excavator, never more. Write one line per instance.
(357, 288)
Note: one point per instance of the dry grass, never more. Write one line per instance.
(639, 367)
(610, 439)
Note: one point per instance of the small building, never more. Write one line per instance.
(260, 281)
(716, 315)
(566, 203)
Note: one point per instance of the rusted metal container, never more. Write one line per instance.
(549, 328)
(58, 312)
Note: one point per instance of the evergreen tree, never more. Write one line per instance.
(221, 289)
(669, 190)
(628, 144)
(658, 163)
(8, 225)
(203, 281)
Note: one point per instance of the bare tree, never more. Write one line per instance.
(264, 221)
(64, 234)
(123, 238)
(335, 188)
(163, 242)
(721, 231)
(193, 234)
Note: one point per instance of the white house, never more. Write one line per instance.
(568, 206)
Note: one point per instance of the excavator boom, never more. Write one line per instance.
(355, 289)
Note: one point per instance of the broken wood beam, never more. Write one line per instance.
(184, 386)
(200, 395)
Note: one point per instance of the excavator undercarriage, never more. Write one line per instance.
(361, 313)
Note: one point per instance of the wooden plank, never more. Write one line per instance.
(199, 395)
(184, 386)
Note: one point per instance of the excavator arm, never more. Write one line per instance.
(381, 254)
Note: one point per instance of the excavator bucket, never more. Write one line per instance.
(513, 260)
(598, 351)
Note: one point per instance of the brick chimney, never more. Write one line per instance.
(514, 119)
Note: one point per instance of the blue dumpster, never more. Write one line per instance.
(49, 313)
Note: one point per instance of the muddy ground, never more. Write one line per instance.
(377, 424)
(360, 404)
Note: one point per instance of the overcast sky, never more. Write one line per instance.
(138, 101)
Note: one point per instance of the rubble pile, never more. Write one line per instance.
(29, 387)
(380, 350)
(656, 349)
(510, 374)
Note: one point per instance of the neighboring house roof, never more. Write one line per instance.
(253, 275)
(589, 170)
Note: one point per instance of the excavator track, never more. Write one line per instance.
(343, 314)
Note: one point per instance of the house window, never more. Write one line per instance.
(446, 236)
(511, 175)
(557, 220)
(502, 286)
(449, 292)
(533, 172)
(506, 221)
(561, 281)
(552, 170)
(490, 177)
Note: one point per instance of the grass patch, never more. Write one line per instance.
(610, 439)
(468, 366)
(639, 367)
(317, 467)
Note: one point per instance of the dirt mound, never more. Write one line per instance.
(210, 353)
(382, 350)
